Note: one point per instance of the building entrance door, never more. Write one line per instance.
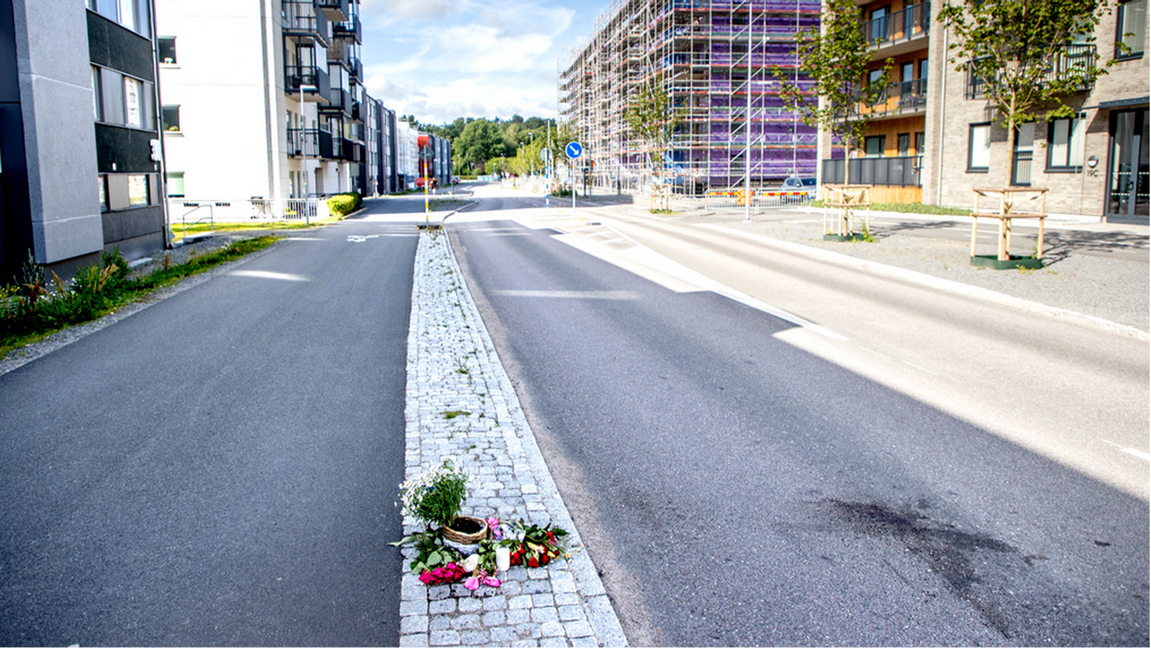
(1128, 167)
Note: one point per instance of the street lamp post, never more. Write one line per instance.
(304, 145)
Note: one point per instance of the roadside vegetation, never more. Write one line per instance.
(912, 208)
(40, 303)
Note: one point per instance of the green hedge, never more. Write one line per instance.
(344, 204)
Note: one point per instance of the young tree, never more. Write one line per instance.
(836, 59)
(652, 123)
(1027, 56)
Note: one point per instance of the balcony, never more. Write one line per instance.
(300, 20)
(902, 98)
(899, 32)
(356, 68)
(306, 142)
(348, 29)
(1063, 66)
(339, 100)
(344, 149)
(312, 79)
(336, 10)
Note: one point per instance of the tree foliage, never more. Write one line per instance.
(1027, 56)
(836, 61)
(652, 122)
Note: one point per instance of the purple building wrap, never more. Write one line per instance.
(714, 59)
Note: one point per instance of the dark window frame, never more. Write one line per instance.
(882, 139)
(1064, 168)
(970, 148)
(1120, 14)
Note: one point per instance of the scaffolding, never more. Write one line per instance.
(714, 58)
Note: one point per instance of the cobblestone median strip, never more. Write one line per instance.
(453, 367)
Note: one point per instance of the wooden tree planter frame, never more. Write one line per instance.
(846, 199)
(1013, 203)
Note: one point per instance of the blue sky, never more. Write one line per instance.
(442, 59)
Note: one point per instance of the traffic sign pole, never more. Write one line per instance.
(573, 150)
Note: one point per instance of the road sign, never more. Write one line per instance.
(426, 153)
(574, 150)
(546, 155)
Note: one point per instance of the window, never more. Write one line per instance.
(175, 185)
(920, 142)
(1131, 25)
(170, 116)
(97, 111)
(138, 190)
(132, 14)
(1021, 157)
(878, 31)
(873, 145)
(877, 78)
(979, 148)
(1065, 144)
(167, 49)
(904, 144)
(133, 98)
(103, 193)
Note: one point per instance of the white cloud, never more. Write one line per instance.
(441, 60)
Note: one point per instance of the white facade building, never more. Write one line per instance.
(260, 99)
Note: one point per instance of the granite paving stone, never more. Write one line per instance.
(452, 365)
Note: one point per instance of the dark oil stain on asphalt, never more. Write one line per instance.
(948, 551)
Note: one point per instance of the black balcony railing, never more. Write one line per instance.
(898, 98)
(1064, 65)
(312, 79)
(887, 171)
(902, 25)
(339, 100)
(300, 18)
(305, 142)
(356, 67)
(348, 29)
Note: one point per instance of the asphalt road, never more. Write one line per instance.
(220, 468)
(737, 484)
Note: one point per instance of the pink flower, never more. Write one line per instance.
(494, 525)
(491, 581)
(472, 583)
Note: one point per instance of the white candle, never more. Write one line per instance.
(503, 558)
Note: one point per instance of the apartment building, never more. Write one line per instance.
(934, 138)
(262, 101)
(896, 140)
(713, 57)
(79, 142)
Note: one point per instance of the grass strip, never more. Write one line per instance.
(30, 312)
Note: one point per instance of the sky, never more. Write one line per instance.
(443, 59)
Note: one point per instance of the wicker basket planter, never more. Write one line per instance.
(466, 538)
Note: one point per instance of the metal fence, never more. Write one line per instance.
(888, 171)
(187, 211)
(760, 199)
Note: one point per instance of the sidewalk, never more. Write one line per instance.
(452, 365)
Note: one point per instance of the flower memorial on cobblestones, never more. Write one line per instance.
(436, 497)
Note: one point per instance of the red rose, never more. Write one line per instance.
(533, 562)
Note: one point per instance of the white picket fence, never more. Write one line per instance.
(190, 211)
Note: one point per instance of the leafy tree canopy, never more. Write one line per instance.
(1026, 56)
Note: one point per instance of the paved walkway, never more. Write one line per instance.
(452, 365)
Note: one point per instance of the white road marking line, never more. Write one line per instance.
(613, 295)
(1139, 454)
(263, 274)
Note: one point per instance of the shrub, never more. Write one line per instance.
(437, 495)
(343, 204)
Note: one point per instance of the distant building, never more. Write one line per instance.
(79, 142)
(713, 58)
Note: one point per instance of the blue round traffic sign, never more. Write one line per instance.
(574, 150)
